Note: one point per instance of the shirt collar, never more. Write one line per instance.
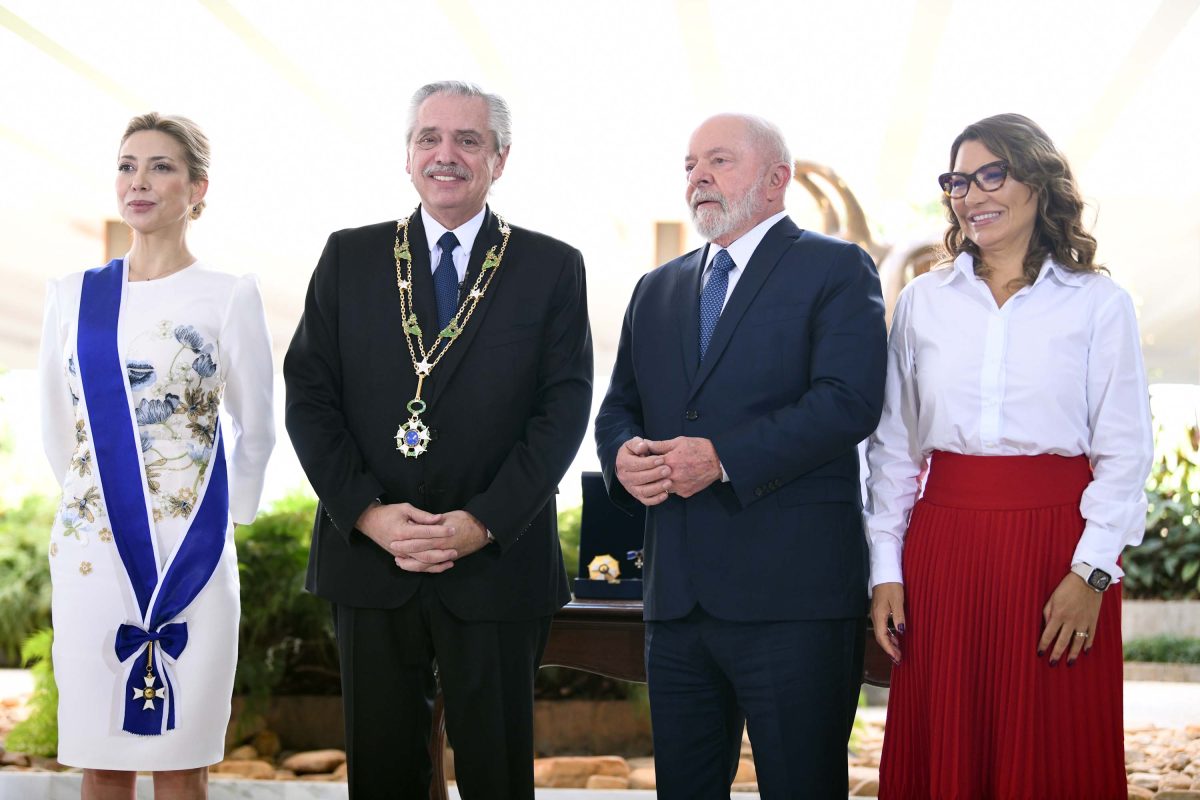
(1060, 273)
(964, 265)
(744, 246)
(465, 233)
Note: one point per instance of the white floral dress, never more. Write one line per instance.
(196, 347)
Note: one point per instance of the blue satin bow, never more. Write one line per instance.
(172, 638)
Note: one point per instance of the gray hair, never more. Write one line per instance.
(499, 117)
(768, 139)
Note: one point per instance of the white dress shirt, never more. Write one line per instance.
(465, 234)
(740, 251)
(1056, 369)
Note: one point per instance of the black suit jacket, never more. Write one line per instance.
(507, 409)
(792, 381)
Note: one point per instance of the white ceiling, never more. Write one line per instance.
(304, 102)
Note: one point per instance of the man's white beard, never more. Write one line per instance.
(732, 217)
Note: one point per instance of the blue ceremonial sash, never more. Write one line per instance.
(161, 598)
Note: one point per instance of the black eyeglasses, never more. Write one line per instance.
(989, 178)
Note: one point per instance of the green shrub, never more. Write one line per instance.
(24, 572)
(1166, 565)
(285, 644)
(1164, 650)
(38, 733)
(568, 537)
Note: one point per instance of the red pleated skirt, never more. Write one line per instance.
(973, 713)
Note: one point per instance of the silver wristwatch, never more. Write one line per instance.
(1097, 579)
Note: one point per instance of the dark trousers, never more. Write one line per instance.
(486, 672)
(794, 684)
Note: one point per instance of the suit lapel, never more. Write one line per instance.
(768, 253)
(424, 300)
(489, 236)
(687, 301)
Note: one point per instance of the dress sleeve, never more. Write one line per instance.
(249, 389)
(894, 454)
(1121, 437)
(54, 394)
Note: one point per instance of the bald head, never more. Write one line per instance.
(738, 169)
(762, 135)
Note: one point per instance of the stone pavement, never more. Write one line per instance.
(1164, 705)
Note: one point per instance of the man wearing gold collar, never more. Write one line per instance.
(438, 387)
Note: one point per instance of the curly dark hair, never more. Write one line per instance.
(1033, 160)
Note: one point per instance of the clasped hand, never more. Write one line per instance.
(420, 541)
(651, 470)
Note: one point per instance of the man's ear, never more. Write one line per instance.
(778, 179)
(501, 160)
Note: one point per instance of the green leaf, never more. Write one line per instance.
(491, 260)
(38, 733)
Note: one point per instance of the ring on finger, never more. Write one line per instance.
(1081, 634)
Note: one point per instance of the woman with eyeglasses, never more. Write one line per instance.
(1017, 397)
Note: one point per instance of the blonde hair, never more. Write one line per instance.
(190, 138)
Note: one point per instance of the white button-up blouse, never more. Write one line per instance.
(1056, 369)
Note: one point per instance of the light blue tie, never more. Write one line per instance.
(445, 281)
(712, 299)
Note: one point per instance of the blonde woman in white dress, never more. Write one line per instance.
(138, 359)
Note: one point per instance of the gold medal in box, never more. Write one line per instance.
(604, 568)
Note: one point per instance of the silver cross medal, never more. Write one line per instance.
(149, 694)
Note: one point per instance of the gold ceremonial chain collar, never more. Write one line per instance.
(412, 437)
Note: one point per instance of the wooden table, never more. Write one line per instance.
(607, 637)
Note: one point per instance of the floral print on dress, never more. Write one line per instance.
(176, 414)
(150, 412)
(141, 373)
(87, 506)
(72, 526)
(174, 375)
(181, 503)
(82, 463)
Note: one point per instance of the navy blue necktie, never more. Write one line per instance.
(445, 281)
(712, 299)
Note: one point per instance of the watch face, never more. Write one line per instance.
(1099, 580)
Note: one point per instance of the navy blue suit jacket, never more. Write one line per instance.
(791, 383)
